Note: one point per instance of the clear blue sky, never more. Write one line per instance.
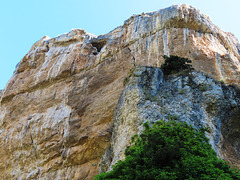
(24, 22)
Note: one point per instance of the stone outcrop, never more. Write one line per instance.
(191, 97)
(57, 109)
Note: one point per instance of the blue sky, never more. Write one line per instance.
(25, 22)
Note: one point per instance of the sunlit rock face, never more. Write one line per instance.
(57, 109)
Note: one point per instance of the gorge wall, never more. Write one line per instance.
(57, 110)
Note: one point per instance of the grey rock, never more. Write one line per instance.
(191, 97)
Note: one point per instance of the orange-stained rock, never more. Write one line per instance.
(57, 109)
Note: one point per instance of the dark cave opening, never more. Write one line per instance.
(99, 44)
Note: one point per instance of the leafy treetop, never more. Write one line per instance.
(168, 151)
(174, 64)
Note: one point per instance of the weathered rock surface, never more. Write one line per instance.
(56, 111)
(192, 97)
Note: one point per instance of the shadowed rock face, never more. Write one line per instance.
(57, 109)
(191, 97)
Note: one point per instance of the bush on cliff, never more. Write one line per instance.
(175, 64)
(170, 150)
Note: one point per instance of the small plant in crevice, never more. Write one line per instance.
(173, 117)
(176, 64)
(182, 91)
(222, 81)
(204, 87)
(148, 96)
(154, 98)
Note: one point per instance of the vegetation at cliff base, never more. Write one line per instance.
(168, 151)
(175, 64)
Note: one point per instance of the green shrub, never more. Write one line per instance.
(204, 87)
(170, 150)
(175, 64)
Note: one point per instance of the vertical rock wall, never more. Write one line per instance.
(191, 97)
(56, 111)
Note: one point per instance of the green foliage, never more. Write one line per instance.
(183, 91)
(170, 150)
(175, 64)
(204, 87)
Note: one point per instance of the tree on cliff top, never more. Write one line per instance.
(170, 150)
(175, 64)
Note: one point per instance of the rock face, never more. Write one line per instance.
(57, 109)
(191, 97)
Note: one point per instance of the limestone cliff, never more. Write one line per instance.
(191, 97)
(57, 109)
